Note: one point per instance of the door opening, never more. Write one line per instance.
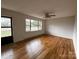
(6, 30)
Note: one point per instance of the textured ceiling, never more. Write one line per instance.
(63, 8)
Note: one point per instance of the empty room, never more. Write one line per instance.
(38, 29)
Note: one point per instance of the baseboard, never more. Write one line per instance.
(61, 36)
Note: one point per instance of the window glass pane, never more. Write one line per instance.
(5, 27)
(34, 25)
(5, 22)
(27, 28)
(27, 24)
(40, 24)
(34, 22)
(5, 32)
(27, 21)
(34, 28)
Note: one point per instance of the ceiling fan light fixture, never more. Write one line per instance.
(49, 14)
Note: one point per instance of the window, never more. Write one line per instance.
(5, 26)
(33, 25)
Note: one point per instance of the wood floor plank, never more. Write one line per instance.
(43, 47)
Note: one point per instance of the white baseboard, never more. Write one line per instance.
(62, 36)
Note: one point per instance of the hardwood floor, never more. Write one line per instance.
(43, 47)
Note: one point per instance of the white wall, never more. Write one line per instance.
(62, 27)
(18, 19)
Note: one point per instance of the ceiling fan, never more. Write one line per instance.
(49, 14)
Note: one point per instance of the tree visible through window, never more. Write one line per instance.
(33, 25)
